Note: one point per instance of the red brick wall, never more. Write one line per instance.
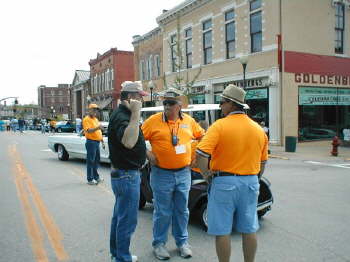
(123, 69)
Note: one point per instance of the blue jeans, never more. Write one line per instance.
(170, 193)
(126, 188)
(92, 159)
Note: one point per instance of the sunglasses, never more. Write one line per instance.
(223, 102)
(169, 102)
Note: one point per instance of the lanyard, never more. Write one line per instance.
(173, 137)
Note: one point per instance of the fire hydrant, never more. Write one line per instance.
(335, 144)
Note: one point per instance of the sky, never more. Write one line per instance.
(43, 42)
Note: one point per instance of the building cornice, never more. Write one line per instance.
(180, 10)
(112, 51)
(154, 32)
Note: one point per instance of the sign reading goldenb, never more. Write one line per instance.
(316, 96)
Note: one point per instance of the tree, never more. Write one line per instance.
(182, 80)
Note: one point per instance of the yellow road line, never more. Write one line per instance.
(33, 228)
(54, 234)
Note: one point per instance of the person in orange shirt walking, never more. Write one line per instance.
(92, 130)
(170, 134)
(237, 148)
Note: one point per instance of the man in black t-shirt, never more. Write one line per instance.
(127, 154)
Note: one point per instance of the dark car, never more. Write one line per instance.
(198, 198)
(64, 126)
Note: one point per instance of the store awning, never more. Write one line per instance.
(102, 104)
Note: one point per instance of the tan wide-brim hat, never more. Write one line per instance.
(93, 106)
(235, 94)
(174, 94)
(136, 87)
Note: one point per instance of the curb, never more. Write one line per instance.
(279, 157)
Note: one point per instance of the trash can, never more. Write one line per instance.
(290, 143)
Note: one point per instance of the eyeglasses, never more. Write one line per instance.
(169, 102)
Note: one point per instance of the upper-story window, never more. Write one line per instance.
(230, 34)
(188, 45)
(207, 42)
(255, 26)
(150, 67)
(157, 65)
(339, 28)
(173, 47)
(142, 70)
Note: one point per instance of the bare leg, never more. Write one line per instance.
(249, 244)
(223, 248)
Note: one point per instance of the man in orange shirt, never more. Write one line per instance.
(237, 148)
(170, 134)
(92, 129)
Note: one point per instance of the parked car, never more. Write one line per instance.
(198, 198)
(64, 126)
(73, 146)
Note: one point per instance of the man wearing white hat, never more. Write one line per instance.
(237, 148)
(127, 154)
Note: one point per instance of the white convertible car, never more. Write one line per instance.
(73, 145)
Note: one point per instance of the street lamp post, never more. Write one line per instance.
(244, 61)
(151, 86)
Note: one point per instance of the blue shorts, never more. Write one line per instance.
(232, 204)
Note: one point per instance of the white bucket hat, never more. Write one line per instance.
(235, 94)
(136, 87)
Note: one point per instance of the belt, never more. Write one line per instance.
(217, 174)
(173, 169)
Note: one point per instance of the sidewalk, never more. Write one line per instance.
(317, 150)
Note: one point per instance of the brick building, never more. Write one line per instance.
(54, 101)
(107, 72)
(148, 56)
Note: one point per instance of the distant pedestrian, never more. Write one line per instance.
(52, 126)
(43, 126)
(237, 148)
(78, 125)
(21, 125)
(127, 149)
(93, 134)
(170, 134)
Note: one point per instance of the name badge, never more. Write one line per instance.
(184, 126)
(180, 149)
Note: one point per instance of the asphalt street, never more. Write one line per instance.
(49, 213)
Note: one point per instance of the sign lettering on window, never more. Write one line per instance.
(323, 96)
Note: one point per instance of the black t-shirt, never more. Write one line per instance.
(120, 156)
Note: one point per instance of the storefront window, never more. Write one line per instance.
(198, 99)
(257, 99)
(318, 112)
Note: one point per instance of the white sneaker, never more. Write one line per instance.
(161, 252)
(92, 182)
(100, 180)
(133, 259)
(185, 251)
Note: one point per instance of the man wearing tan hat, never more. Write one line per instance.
(237, 148)
(127, 150)
(93, 134)
(170, 133)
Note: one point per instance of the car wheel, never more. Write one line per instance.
(203, 215)
(62, 153)
(142, 201)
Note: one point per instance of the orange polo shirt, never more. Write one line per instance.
(193, 156)
(92, 122)
(158, 132)
(236, 144)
